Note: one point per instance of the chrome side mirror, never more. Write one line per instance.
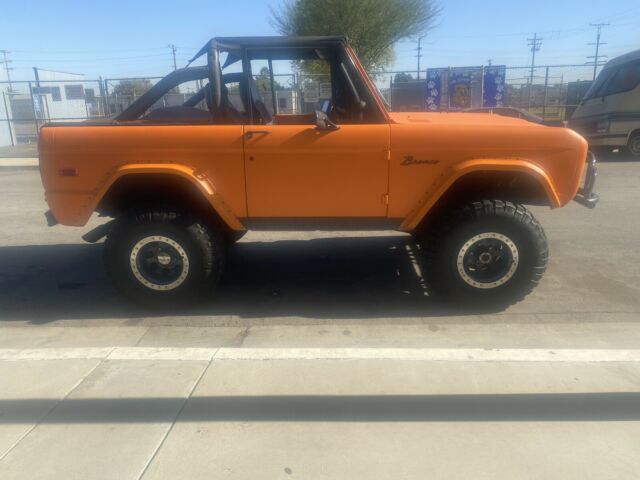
(323, 122)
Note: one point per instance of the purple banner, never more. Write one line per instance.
(434, 88)
(494, 86)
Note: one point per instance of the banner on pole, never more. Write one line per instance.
(460, 88)
(434, 88)
(494, 86)
(460, 80)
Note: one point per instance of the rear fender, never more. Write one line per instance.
(199, 180)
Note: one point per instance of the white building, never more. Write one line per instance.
(54, 96)
(61, 96)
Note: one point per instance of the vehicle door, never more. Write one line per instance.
(293, 167)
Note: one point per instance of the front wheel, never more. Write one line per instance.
(489, 252)
(163, 258)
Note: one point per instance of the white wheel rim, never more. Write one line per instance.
(133, 262)
(508, 275)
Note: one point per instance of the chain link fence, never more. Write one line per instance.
(27, 105)
(552, 92)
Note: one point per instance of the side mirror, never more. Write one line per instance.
(323, 122)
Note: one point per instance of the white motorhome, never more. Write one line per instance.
(609, 114)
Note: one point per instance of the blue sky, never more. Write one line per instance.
(130, 38)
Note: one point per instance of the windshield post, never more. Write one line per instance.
(215, 77)
(368, 84)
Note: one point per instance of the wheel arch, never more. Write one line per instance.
(635, 132)
(176, 185)
(520, 181)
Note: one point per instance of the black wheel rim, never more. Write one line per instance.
(488, 260)
(159, 263)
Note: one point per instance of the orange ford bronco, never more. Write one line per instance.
(242, 151)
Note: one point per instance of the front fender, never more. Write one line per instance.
(450, 175)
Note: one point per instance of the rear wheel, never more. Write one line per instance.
(161, 258)
(489, 252)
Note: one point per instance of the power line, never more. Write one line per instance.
(623, 14)
(88, 60)
(535, 43)
(7, 68)
(597, 56)
(89, 52)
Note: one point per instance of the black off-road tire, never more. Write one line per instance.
(633, 146)
(201, 244)
(444, 243)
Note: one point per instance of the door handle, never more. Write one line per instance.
(252, 133)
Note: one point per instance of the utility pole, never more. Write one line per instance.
(419, 55)
(535, 43)
(7, 69)
(174, 49)
(597, 56)
(173, 52)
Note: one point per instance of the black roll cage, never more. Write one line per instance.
(155, 93)
(237, 50)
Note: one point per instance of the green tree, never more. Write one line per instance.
(373, 26)
(402, 77)
(263, 81)
(132, 88)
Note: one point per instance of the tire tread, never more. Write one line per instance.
(434, 239)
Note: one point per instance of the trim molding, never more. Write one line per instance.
(323, 223)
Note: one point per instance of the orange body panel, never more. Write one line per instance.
(300, 171)
(396, 169)
(102, 154)
(446, 146)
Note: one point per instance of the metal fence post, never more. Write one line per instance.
(546, 89)
(107, 111)
(35, 113)
(6, 111)
(103, 99)
(482, 86)
(448, 92)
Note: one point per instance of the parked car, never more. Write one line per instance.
(609, 114)
(184, 182)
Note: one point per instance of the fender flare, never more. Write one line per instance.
(452, 174)
(200, 180)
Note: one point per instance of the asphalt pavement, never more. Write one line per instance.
(321, 356)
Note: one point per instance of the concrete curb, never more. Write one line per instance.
(16, 164)
(514, 355)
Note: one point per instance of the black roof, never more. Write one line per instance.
(266, 42)
(279, 41)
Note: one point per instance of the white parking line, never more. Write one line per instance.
(411, 354)
(431, 354)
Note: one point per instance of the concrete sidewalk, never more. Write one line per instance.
(321, 413)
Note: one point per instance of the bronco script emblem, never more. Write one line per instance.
(409, 160)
